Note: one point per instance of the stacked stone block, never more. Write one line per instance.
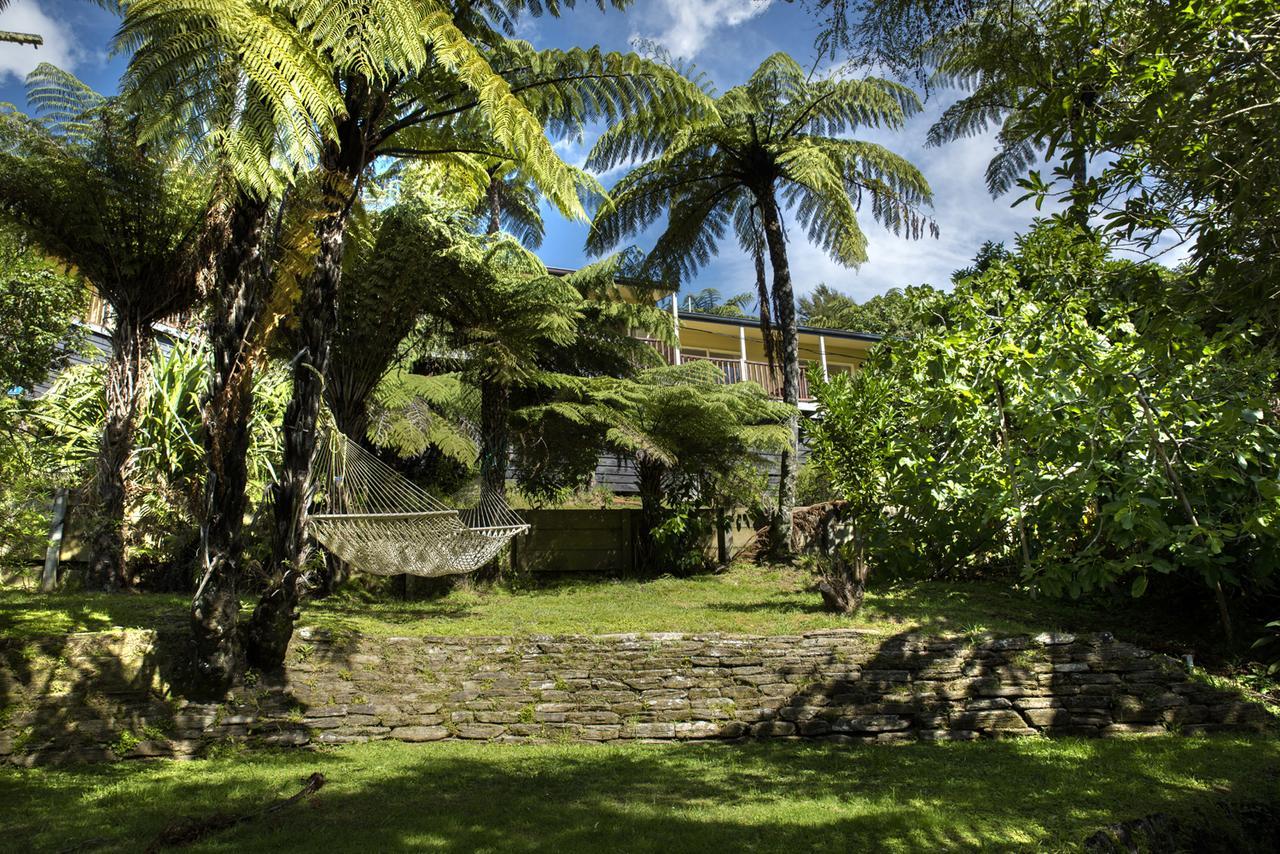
(110, 694)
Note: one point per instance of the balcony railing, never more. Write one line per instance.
(732, 370)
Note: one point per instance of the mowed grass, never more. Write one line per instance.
(1013, 795)
(745, 600)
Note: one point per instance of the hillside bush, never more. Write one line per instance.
(1073, 422)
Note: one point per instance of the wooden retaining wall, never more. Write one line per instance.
(596, 541)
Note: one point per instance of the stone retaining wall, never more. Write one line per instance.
(99, 696)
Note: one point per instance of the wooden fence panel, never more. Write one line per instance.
(576, 541)
(597, 541)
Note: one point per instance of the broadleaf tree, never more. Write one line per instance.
(1056, 426)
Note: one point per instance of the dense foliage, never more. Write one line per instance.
(776, 145)
(695, 443)
(166, 481)
(37, 307)
(1158, 117)
(1070, 421)
(889, 314)
(83, 188)
(1081, 422)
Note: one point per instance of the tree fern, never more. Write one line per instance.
(776, 143)
(342, 84)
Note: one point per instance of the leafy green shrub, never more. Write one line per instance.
(167, 473)
(37, 306)
(813, 485)
(1073, 421)
(26, 490)
(125, 742)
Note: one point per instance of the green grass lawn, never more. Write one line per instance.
(747, 599)
(1016, 795)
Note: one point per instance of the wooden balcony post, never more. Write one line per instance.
(822, 351)
(675, 316)
(742, 353)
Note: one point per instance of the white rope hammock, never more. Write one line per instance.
(378, 521)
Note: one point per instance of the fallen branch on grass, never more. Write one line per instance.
(187, 831)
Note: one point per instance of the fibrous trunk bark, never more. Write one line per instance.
(348, 386)
(785, 320)
(649, 476)
(126, 381)
(272, 623)
(495, 404)
(495, 396)
(835, 535)
(844, 577)
(494, 197)
(495, 437)
(239, 299)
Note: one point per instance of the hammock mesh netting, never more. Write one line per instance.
(378, 521)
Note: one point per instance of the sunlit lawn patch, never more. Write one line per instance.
(1031, 794)
(747, 599)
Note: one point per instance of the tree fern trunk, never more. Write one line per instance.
(784, 306)
(495, 405)
(272, 623)
(495, 398)
(495, 440)
(126, 382)
(352, 420)
(239, 299)
(649, 475)
(494, 197)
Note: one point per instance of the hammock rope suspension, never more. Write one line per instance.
(375, 519)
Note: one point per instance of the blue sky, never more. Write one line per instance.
(726, 39)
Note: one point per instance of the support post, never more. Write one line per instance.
(742, 353)
(53, 553)
(675, 316)
(722, 537)
(822, 350)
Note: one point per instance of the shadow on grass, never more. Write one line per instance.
(779, 606)
(355, 613)
(955, 616)
(29, 615)
(755, 797)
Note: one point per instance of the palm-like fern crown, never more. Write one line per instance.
(671, 415)
(515, 201)
(709, 301)
(513, 197)
(780, 139)
(76, 179)
(999, 53)
(401, 78)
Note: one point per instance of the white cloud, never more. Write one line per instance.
(571, 149)
(684, 26)
(60, 47)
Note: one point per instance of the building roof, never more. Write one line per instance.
(754, 322)
(750, 322)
